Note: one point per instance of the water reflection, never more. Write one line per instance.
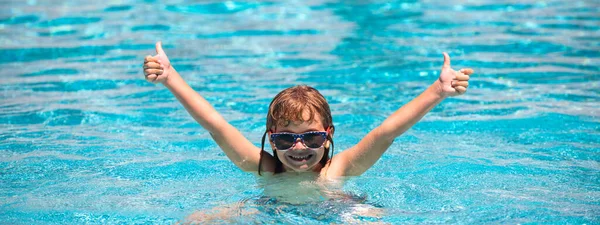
(296, 198)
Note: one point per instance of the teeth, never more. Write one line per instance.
(299, 158)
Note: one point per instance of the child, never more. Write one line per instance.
(299, 124)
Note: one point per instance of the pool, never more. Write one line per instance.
(85, 139)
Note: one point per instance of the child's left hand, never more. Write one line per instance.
(157, 68)
(453, 83)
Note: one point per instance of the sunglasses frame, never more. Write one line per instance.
(296, 136)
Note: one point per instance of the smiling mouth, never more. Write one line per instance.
(300, 158)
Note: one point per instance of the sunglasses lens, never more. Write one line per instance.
(284, 141)
(314, 140)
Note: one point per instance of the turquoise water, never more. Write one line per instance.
(85, 139)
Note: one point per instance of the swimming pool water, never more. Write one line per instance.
(85, 139)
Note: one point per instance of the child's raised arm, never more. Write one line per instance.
(357, 159)
(242, 152)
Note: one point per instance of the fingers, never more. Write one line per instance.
(149, 58)
(460, 83)
(467, 71)
(462, 77)
(151, 78)
(159, 49)
(153, 71)
(152, 65)
(460, 89)
(446, 60)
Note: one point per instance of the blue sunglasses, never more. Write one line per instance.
(312, 139)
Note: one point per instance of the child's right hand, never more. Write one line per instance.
(157, 68)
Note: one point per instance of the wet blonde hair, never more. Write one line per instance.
(290, 105)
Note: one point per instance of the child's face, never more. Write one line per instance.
(300, 158)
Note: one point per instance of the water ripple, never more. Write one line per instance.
(82, 131)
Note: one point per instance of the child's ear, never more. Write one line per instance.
(269, 132)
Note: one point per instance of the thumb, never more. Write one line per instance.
(446, 60)
(159, 49)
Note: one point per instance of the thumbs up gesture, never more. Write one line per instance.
(157, 68)
(453, 82)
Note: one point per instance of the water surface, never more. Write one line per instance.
(85, 139)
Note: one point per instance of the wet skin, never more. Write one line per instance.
(301, 158)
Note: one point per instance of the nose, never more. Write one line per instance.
(298, 144)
